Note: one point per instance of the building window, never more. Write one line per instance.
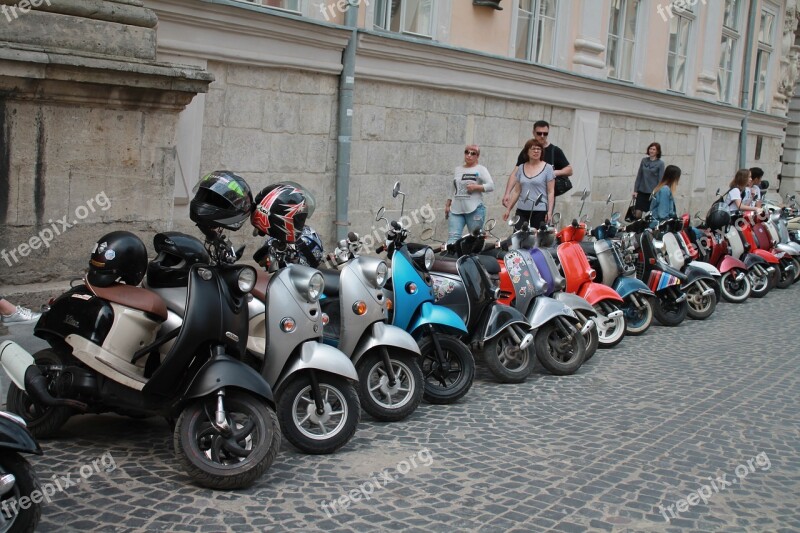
(765, 34)
(679, 27)
(288, 5)
(730, 41)
(621, 39)
(536, 31)
(414, 17)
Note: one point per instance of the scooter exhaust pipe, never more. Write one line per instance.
(21, 368)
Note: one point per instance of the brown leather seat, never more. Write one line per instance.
(260, 289)
(445, 266)
(133, 297)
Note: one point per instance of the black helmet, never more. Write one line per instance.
(281, 211)
(221, 200)
(718, 217)
(118, 256)
(177, 252)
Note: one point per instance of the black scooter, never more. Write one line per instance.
(17, 478)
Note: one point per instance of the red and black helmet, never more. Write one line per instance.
(281, 211)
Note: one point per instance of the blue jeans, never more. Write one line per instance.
(473, 221)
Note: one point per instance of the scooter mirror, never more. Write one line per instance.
(608, 200)
(379, 216)
(556, 219)
(240, 252)
(490, 224)
(427, 234)
(513, 220)
(538, 199)
(717, 193)
(615, 217)
(396, 189)
(764, 185)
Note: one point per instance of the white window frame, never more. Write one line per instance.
(533, 32)
(301, 6)
(767, 48)
(386, 24)
(690, 15)
(621, 40)
(734, 34)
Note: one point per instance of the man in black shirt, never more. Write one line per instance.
(552, 154)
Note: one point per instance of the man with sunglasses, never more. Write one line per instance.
(552, 155)
(466, 207)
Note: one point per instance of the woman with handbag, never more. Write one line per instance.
(651, 172)
(535, 177)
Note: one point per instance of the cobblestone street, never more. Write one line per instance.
(697, 424)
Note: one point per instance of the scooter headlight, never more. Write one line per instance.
(247, 279)
(429, 258)
(381, 273)
(315, 287)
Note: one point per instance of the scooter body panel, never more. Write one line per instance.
(450, 292)
(406, 305)
(77, 312)
(312, 355)
(438, 316)
(695, 273)
(595, 293)
(546, 309)
(497, 317)
(353, 287)
(382, 334)
(769, 257)
(525, 278)
(627, 285)
(575, 265)
(575, 302)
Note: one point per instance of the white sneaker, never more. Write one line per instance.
(21, 316)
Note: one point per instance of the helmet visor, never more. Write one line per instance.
(226, 186)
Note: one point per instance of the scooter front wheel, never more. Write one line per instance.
(232, 457)
(312, 432)
(638, 319)
(448, 376)
(20, 519)
(669, 312)
(786, 273)
(506, 361)
(592, 337)
(760, 283)
(735, 291)
(560, 352)
(610, 330)
(382, 400)
(42, 421)
(700, 307)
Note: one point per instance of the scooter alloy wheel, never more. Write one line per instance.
(561, 355)
(639, 319)
(760, 283)
(667, 311)
(446, 383)
(610, 330)
(506, 361)
(13, 517)
(735, 291)
(382, 400)
(310, 432)
(232, 458)
(700, 307)
(42, 421)
(592, 337)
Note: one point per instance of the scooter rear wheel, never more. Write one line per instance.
(506, 361)
(42, 421)
(785, 277)
(25, 484)
(735, 291)
(446, 384)
(233, 461)
(561, 356)
(378, 398)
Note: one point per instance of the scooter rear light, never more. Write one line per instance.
(360, 307)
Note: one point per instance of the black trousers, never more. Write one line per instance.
(536, 218)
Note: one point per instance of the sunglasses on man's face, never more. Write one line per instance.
(542, 133)
(470, 152)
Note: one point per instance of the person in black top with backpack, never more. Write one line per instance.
(552, 154)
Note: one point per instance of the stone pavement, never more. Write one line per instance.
(702, 418)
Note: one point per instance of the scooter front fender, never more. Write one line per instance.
(382, 334)
(706, 267)
(729, 263)
(437, 315)
(222, 371)
(576, 303)
(769, 257)
(317, 356)
(625, 286)
(787, 248)
(14, 436)
(546, 309)
(693, 274)
(750, 260)
(497, 317)
(597, 292)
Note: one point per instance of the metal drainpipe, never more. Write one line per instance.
(748, 60)
(345, 123)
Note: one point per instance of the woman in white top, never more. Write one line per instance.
(733, 198)
(466, 207)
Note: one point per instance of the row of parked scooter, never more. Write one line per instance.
(234, 357)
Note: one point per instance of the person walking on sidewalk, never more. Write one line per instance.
(16, 314)
(651, 172)
(534, 177)
(466, 207)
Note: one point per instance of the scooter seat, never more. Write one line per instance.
(331, 282)
(260, 288)
(134, 297)
(490, 264)
(496, 253)
(445, 266)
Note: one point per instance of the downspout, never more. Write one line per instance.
(345, 123)
(748, 60)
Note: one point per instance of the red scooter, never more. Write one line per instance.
(580, 277)
(761, 285)
(764, 241)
